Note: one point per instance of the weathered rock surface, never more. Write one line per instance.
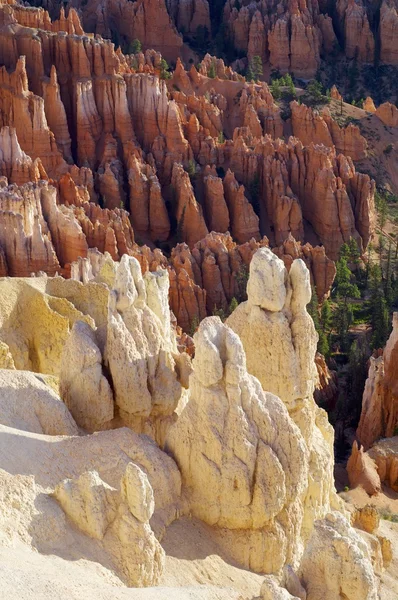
(362, 471)
(120, 520)
(379, 416)
(337, 561)
(204, 442)
(275, 328)
(28, 403)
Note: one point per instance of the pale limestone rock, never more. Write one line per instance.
(6, 359)
(270, 590)
(83, 387)
(26, 402)
(139, 349)
(336, 563)
(243, 461)
(138, 493)
(89, 502)
(266, 287)
(97, 267)
(280, 340)
(107, 515)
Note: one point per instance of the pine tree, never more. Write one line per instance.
(343, 317)
(135, 47)
(344, 288)
(164, 70)
(326, 316)
(256, 65)
(313, 311)
(380, 320)
(276, 89)
(212, 70)
(233, 304)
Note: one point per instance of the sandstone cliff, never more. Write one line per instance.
(379, 416)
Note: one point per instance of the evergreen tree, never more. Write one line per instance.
(326, 316)
(212, 70)
(135, 47)
(233, 304)
(353, 252)
(276, 89)
(164, 70)
(313, 311)
(256, 66)
(344, 287)
(343, 317)
(380, 319)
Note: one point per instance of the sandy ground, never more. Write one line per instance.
(193, 557)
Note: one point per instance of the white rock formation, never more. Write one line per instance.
(243, 461)
(336, 563)
(83, 387)
(27, 403)
(280, 340)
(119, 520)
(139, 348)
(270, 590)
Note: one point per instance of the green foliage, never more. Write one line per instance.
(242, 277)
(232, 305)
(164, 70)
(286, 82)
(381, 209)
(256, 68)
(315, 90)
(135, 47)
(326, 317)
(276, 89)
(191, 170)
(221, 137)
(388, 149)
(314, 93)
(342, 320)
(387, 515)
(193, 326)
(212, 70)
(344, 287)
(313, 310)
(380, 318)
(219, 312)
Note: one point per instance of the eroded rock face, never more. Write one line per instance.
(139, 348)
(224, 400)
(388, 114)
(275, 329)
(28, 403)
(83, 387)
(362, 471)
(379, 416)
(120, 520)
(349, 569)
(385, 455)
